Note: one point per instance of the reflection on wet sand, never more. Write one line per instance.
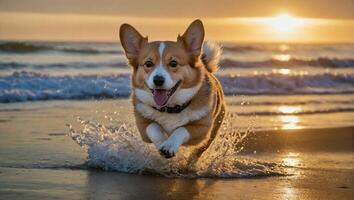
(289, 193)
(291, 159)
(113, 185)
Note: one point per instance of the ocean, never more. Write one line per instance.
(271, 79)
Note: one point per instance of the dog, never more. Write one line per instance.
(177, 100)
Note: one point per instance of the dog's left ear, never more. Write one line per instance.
(193, 37)
(131, 41)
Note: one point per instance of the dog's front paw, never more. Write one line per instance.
(168, 149)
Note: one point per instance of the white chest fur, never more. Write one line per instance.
(171, 121)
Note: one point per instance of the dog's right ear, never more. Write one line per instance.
(131, 41)
(193, 37)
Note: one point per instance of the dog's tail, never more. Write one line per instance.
(211, 55)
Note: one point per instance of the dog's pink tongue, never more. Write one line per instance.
(160, 97)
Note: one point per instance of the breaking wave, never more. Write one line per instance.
(121, 149)
(276, 83)
(30, 86)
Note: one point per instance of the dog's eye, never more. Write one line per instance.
(173, 63)
(148, 64)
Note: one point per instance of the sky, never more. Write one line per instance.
(225, 20)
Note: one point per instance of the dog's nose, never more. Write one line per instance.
(159, 80)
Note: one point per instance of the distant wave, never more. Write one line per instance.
(30, 86)
(70, 65)
(242, 48)
(293, 62)
(225, 63)
(23, 47)
(288, 48)
(88, 51)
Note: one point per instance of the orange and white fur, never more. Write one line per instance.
(177, 100)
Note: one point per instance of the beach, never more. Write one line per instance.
(40, 160)
(67, 129)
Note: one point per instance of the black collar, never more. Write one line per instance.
(174, 109)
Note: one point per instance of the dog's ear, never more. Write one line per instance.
(131, 41)
(193, 37)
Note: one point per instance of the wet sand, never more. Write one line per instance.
(38, 161)
(83, 184)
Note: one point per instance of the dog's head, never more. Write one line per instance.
(165, 72)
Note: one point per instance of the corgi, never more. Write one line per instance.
(177, 100)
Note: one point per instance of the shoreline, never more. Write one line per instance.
(267, 117)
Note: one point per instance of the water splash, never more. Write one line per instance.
(120, 148)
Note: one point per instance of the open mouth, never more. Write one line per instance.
(161, 96)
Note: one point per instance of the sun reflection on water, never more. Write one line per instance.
(289, 109)
(290, 122)
(282, 57)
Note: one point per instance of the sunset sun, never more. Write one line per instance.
(285, 23)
